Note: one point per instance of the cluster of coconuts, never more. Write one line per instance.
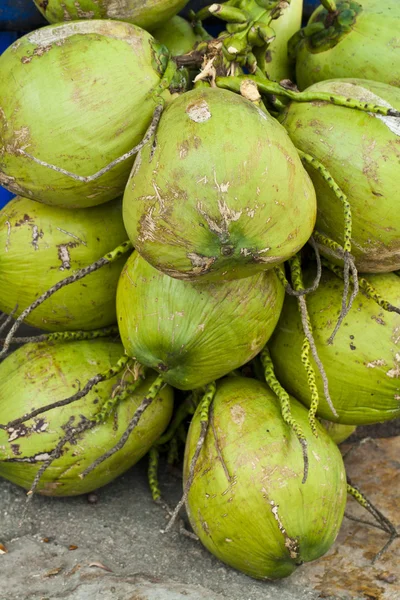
(164, 205)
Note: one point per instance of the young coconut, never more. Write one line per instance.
(69, 437)
(202, 206)
(177, 35)
(246, 501)
(41, 245)
(337, 431)
(148, 14)
(103, 81)
(362, 365)
(349, 39)
(194, 333)
(366, 145)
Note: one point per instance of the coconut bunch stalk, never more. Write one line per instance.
(349, 38)
(255, 37)
(48, 442)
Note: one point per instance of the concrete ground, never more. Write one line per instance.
(114, 549)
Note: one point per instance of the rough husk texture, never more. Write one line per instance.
(361, 151)
(362, 364)
(41, 245)
(38, 374)
(77, 96)
(194, 333)
(247, 502)
(223, 195)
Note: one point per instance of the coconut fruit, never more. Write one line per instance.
(38, 374)
(42, 245)
(359, 39)
(360, 151)
(247, 502)
(194, 333)
(207, 202)
(76, 96)
(147, 14)
(177, 35)
(363, 363)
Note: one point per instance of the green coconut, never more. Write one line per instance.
(337, 431)
(194, 333)
(177, 35)
(247, 502)
(360, 150)
(275, 61)
(146, 13)
(211, 203)
(363, 363)
(41, 245)
(38, 374)
(76, 96)
(359, 39)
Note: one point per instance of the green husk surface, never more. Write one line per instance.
(247, 502)
(38, 374)
(361, 152)
(363, 363)
(362, 39)
(223, 195)
(41, 245)
(194, 333)
(177, 35)
(144, 13)
(77, 96)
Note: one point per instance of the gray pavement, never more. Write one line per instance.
(121, 533)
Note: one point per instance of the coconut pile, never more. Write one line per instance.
(208, 232)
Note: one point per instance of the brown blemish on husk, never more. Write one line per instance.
(291, 544)
(198, 111)
(201, 264)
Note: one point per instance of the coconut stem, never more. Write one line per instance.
(204, 409)
(297, 281)
(323, 171)
(266, 86)
(284, 400)
(366, 288)
(349, 265)
(67, 336)
(71, 434)
(384, 523)
(152, 393)
(152, 474)
(82, 427)
(171, 437)
(112, 372)
(6, 320)
(185, 409)
(329, 5)
(87, 179)
(288, 288)
(101, 262)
